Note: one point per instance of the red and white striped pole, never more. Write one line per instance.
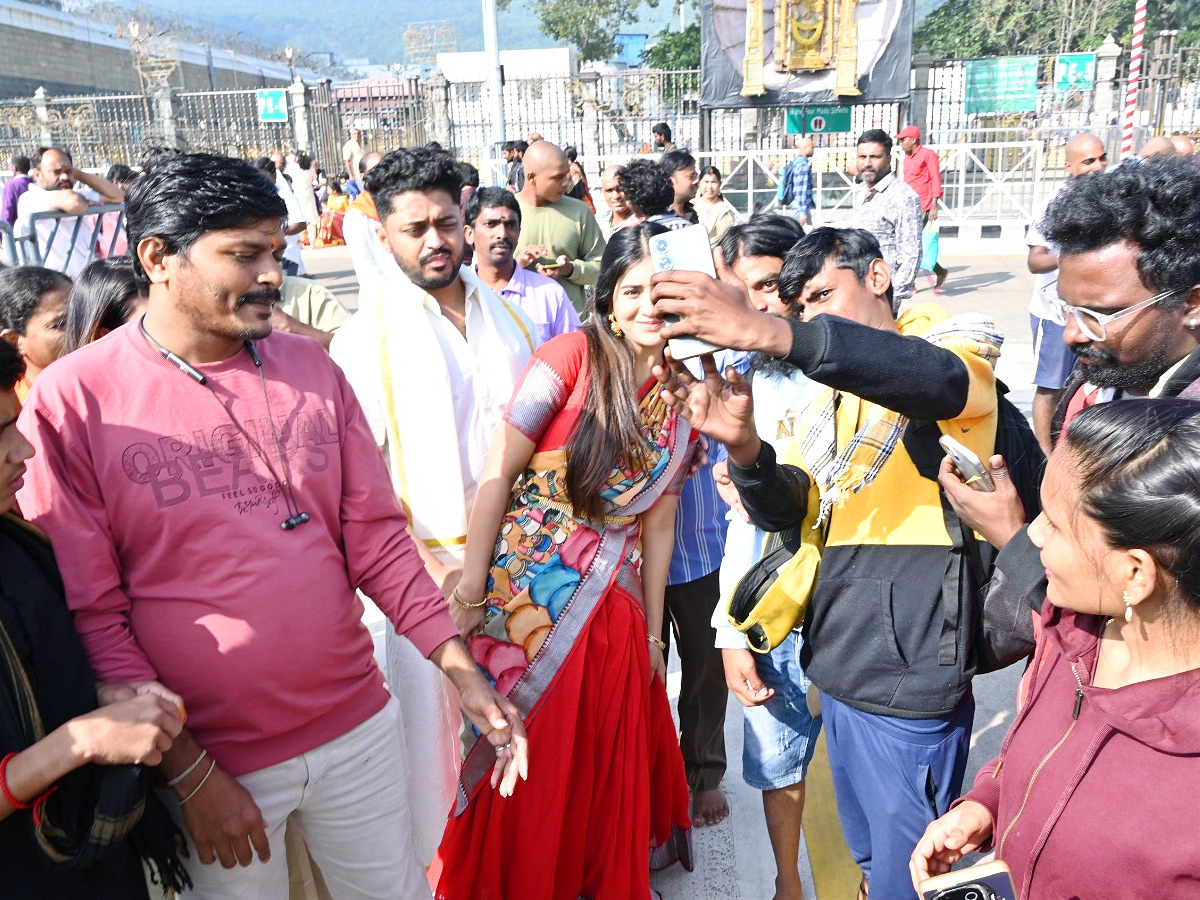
(1135, 74)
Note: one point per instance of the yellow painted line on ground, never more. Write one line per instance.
(835, 874)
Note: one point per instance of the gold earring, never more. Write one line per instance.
(1128, 606)
(614, 326)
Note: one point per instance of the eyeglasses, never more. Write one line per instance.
(1094, 325)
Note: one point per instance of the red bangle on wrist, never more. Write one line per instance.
(4, 789)
(35, 804)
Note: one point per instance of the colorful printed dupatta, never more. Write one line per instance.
(550, 569)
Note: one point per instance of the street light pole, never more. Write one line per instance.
(495, 85)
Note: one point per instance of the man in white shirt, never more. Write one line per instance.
(433, 359)
(65, 245)
(352, 154)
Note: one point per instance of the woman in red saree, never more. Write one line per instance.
(570, 564)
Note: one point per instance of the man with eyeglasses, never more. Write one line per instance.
(1052, 360)
(1128, 295)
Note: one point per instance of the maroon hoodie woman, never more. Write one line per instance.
(1095, 791)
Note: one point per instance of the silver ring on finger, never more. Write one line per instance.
(503, 748)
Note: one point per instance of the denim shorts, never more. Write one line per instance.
(779, 737)
(1053, 359)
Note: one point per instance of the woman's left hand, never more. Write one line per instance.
(658, 664)
(947, 840)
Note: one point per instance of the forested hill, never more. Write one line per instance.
(371, 29)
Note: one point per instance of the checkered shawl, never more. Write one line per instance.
(860, 461)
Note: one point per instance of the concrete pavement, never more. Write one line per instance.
(733, 859)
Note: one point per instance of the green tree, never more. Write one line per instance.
(590, 26)
(969, 28)
(675, 49)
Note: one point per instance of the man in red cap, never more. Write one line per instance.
(922, 173)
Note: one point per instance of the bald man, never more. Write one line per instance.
(559, 235)
(1085, 155)
(1184, 146)
(1156, 146)
(616, 213)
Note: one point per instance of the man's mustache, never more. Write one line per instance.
(265, 295)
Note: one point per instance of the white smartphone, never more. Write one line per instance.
(969, 466)
(687, 249)
(986, 881)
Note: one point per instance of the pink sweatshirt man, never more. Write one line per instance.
(165, 519)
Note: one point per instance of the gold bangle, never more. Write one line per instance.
(454, 595)
(657, 641)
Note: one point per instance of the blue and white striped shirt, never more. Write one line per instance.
(701, 521)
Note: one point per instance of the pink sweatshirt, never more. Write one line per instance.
(166, 524)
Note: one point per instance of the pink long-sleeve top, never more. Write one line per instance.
(165, 519)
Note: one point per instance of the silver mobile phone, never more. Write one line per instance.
(969, 466)
(685, 248)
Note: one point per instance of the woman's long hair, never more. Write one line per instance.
(101, 300)
(1138, 471)
(609, 429)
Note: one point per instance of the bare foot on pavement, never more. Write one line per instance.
(709, 807)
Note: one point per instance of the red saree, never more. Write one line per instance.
(606, 798)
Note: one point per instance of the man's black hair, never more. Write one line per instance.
(520, 146)
(119, 173)
(21, 292)
(413, 169)
(647, 187)
(266, 165)
(470, 174)
(1154, 204)
(489, 198)
(434, 145)
(154, 152)
(35, 158)
(181, 197)
(571, 153)
(876, 136)
(12, 366)
(766, 235)
(508, 146)
(20, 164)
(662, 128)
(674, 160)
(850, 248)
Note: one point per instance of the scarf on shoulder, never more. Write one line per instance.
(365, 204)
(45, 681)
(839, 474)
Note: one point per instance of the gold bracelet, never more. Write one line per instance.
(454, 595)
(657, 641)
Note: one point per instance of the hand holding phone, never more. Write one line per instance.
(684, 248)
(986, 881)
(970, 466)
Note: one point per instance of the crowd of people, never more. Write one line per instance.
(210, 466)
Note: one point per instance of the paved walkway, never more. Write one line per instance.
(733, 859)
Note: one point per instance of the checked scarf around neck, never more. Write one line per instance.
(839, 474)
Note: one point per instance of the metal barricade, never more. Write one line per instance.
(102, 226)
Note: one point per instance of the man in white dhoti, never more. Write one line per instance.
(433, 358)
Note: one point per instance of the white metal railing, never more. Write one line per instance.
(102, 227)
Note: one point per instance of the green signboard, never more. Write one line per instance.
(1074, 72)
(829, 119)
(272, 105)
(1005, 85)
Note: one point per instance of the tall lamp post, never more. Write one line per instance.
(495, 84)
